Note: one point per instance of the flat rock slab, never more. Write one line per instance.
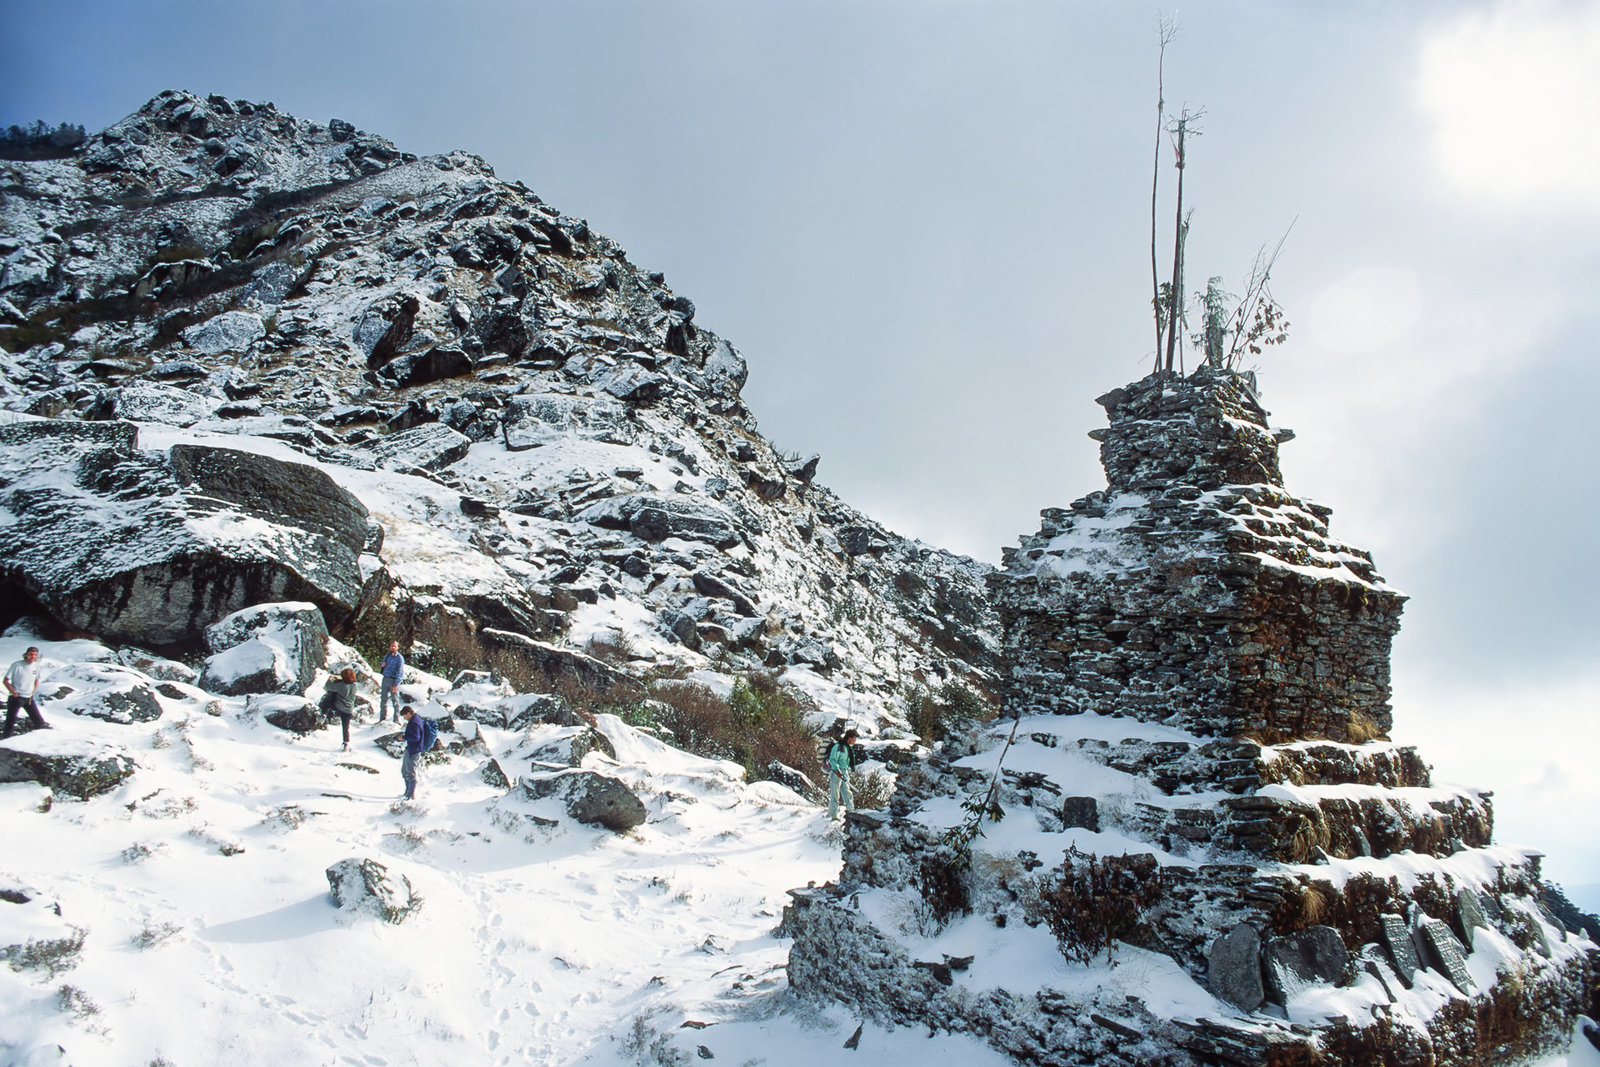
(532, 421)
(1402, 950)
(79, 768)
(1446, 955)
(1468, 917)
(1233, 969)
(432, 448)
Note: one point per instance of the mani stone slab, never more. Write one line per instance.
(1402, 951)
(1446, 954)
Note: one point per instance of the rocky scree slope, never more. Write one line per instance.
(1210, 851)
(273, 359)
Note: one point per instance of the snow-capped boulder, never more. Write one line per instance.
(431, 448)
(152, 402)
(128, 703)
(293, 713)
(152, 547)
(562, 745)
(539, 419)
(231, 331)
(364, 886)
(592, 798)
(270, 648)
(70, 765)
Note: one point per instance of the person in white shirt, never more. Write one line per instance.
(22, 687)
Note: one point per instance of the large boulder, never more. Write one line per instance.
(68, 765)
(270, 648)
(151, 547)
(152, 402)
(562, 745)
(653, 517)
(431, 447)
(531, 421)
(591, 798)
(1316, 954)
(231, 331)
(363, 886)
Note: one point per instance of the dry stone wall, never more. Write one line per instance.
(1199, 674)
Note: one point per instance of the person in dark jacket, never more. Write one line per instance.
(341, 700)
(393, 668)
(413, 755)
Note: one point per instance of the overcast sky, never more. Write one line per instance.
(926, 226)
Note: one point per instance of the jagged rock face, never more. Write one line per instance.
(1196, 591)
(420, 328)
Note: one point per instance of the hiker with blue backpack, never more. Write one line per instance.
(420, 736)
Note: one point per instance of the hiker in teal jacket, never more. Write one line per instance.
(841, 760)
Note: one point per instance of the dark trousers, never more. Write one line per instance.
(15, 704)
(344, 724)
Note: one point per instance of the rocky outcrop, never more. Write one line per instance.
(304, 286)
(152, 547)
(77, 768)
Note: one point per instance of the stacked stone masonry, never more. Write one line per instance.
(1247, 652)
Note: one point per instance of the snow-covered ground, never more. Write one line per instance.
(210, 935)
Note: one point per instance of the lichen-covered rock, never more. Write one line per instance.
(364, 886)
(79, 768)
(590, 797)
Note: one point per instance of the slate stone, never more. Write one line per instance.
(714, 585)
(1402, 950)
(1315, 954)
(231, 331)
(1374, 960)
(1081, 813)
(1233, 968)
(294, 714)
(1468, 916)
(420, 368)
(491, 773)
(1445, 954)
(591, 798)
(652, 517)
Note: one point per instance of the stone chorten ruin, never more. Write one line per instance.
(1201, 804)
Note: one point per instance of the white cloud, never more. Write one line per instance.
(1369, 309)
(1511, 94)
